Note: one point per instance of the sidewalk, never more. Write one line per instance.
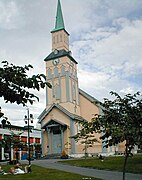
(103, 174)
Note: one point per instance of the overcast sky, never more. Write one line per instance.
(105, 40)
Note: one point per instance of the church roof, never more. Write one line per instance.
(90, 98)
(61, 53)
(53, 123)
(71, 115)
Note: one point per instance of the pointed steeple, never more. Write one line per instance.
(60, 37)
(59, 18)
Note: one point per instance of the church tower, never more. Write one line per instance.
(66, 104)
(61, 69)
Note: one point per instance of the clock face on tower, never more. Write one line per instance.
(56, 61)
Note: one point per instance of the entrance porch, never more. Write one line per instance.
(55, 136)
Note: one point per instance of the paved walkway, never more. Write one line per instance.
(103, 174)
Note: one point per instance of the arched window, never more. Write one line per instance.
(54, 40)
(63, 70)
(49, 74)
(56, 74)
(64, 38)
(57, 91)
(60, 37)
(57, 39)
(75, 74)
(73, 93)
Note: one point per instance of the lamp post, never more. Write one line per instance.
(28, 119)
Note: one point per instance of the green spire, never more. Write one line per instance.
(59, 18)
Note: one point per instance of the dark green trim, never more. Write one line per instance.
(61, 53)
(72, 89)
(53, 88)
(47, 96)
(42, 142)
(56, 30)
(49, 143)
(67, 87)
(60, 88)
(72, 130)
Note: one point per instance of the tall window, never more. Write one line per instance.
(57, 91)
(57, 39)
(60, 37)
(49, 73)
(73, 94)
(62, 70)
(54, 40)
(56, 72)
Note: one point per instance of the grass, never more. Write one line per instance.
(43, 174)
(134, 164)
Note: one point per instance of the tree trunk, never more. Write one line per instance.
(127, 152)
(86, 149)
(124, 166)
(10, 159)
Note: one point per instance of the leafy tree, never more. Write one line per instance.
(14, 88)
(5, 122)
(12, 141)
(15, 140)
(85, 137)
(38, 149)
(14, 83)
(1, 113)
(121, 121)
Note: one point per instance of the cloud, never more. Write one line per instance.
(9, 13)
(115, 52)
(99, 84)
(105, 39)
(16, 113)
(109, 58)
(103, 13)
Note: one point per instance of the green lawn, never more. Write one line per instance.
(134, 164)
(39, 173)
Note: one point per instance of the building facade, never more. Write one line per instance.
(21, 134)
(66, 104)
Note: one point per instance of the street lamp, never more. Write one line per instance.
(28, 118)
